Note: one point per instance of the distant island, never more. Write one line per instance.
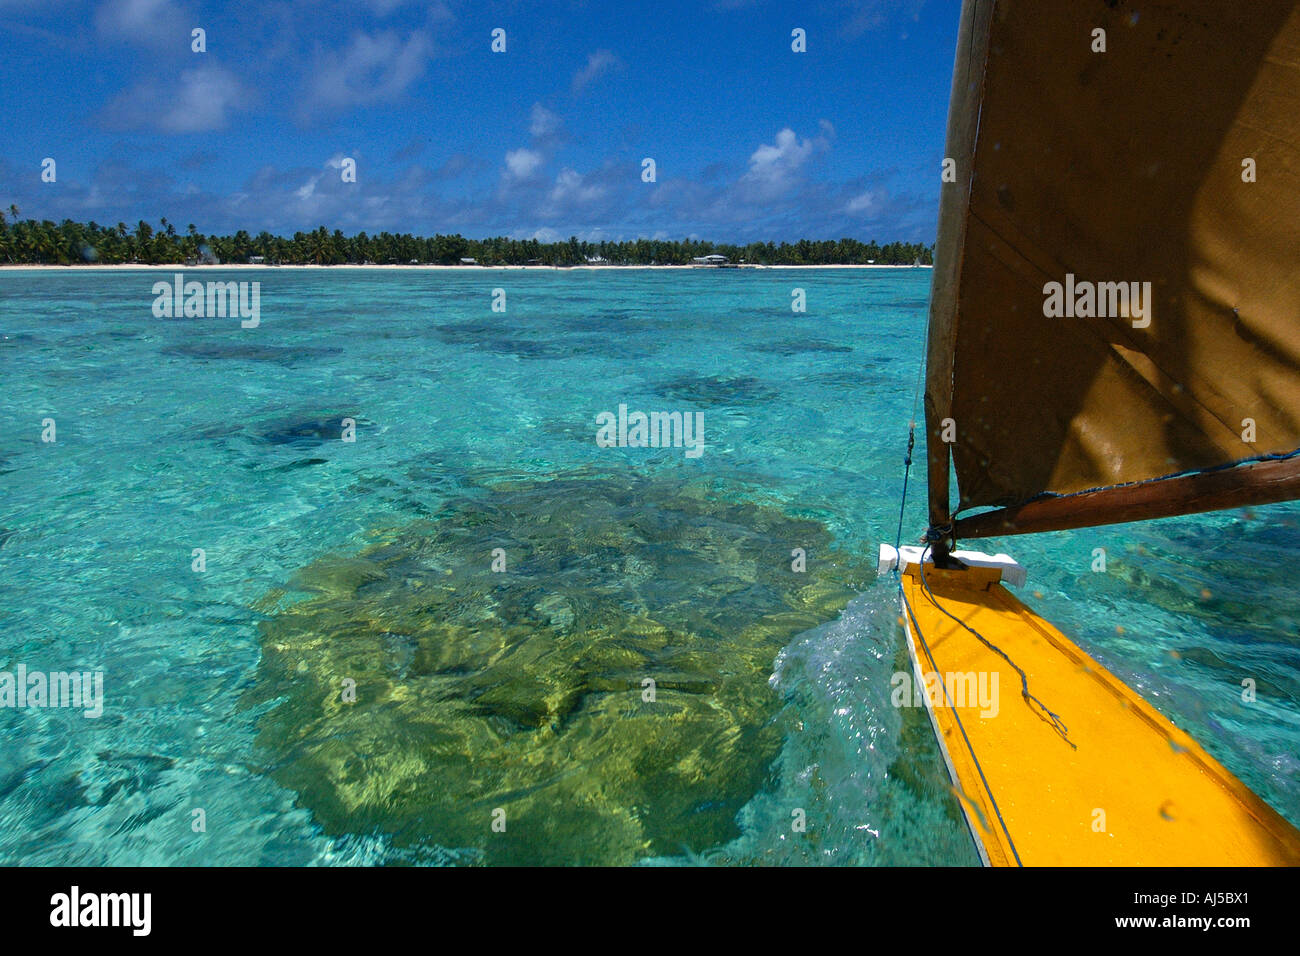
(29, 242)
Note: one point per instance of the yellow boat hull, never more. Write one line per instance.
(1127, 788)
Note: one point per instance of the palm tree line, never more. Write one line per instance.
(29, 242)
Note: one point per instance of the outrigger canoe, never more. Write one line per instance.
(1114, 336)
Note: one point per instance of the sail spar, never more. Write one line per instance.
(1115, 325)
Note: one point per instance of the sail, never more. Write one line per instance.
(1117, 283)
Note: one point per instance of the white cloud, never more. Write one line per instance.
(773, 168)
(570, 186)
(598, 63)
(127, 15)
(787, 154)
(543, 123)
(864, 202)
(373, 68)
(206, 95)
(308, 189)
(522, 163)
(153, 22)
(200, 100)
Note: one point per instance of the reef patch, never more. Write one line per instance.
(525, 690)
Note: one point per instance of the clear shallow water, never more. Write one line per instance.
(194, 433)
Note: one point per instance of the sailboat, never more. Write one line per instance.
(1143, 162)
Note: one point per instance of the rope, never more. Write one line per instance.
(937, 534)
(932, 535)
(1225, 466)
(902, 507)
(911, 443)
(907, 469)
(956, 716)
(1052, 717)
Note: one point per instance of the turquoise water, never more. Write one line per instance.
(177, 434)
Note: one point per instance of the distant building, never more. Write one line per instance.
(469, 262)
(533, 262)
(256, 260)
(597, 261)
(711, 260)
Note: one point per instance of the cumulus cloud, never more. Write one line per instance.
(604, 201)
(206, 95)
(522, 163)
(372, 68)
(308, 189)
(570, 186)
(785, 155)
(774, 167)
(151, 22)
(546, 130)
(862, 203)
(598, 64)
(543, 124)
(199, 100)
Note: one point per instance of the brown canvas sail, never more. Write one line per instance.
(1156, 182)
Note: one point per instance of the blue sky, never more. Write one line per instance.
(750, 140)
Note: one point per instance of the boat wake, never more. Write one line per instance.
(864, 778)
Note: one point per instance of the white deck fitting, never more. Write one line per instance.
(891, 557)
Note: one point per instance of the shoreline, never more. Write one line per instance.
(262, 267)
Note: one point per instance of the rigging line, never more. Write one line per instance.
(1186, 473)
(898, 540)
(920, 368)
(1052, 717)
(907, 469)
(957, 717)
(911, 444)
